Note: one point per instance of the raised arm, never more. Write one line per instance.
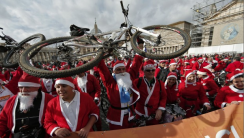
(105, 73)
(134, 70)
(13, 83)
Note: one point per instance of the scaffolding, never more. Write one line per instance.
(210, 13)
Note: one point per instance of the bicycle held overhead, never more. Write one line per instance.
(99, 46)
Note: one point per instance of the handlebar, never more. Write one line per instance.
(1, 28)
(122, 6)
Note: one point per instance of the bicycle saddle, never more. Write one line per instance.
(77, 31)
(74, 27)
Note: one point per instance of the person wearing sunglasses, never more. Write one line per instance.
(122, 93)
(152, 94)
(162, 75)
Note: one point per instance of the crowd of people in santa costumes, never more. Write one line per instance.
(135, 87)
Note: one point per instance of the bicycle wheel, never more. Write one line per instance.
(58, 52)
(173, 42)
(12, 58)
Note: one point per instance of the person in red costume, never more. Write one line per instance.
(221, 65)
(192, 95)
(152, 95)
(48, 86)
(10, 89)
(209, 85)
(25, 109)
(87, 83)
(197, 65)
(121, 91)
(235, 65)
(171, 87)
(74, 111)
(232, 94)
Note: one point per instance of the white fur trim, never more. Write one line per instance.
(149, 66)
(206, 103)
(172, 76)
(28, 84)
(41, 108)
(201, 73)
(208, 66)
(172, 64)
(235, 90)
(118, 65)
(235, 76)
(137, 112)
(64, 82)
(13, 113)
(223, 104)
(161, 108)
(150, 92)
(95, 116)
(51, 134)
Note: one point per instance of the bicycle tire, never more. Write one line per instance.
(186, 38)
(12, 52)
(29, 53)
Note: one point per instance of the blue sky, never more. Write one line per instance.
(22, 18)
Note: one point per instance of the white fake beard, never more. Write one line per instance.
(26, 102)
(82, 81)
(123, 79)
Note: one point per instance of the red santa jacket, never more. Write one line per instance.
(6, 116)
(228, 94)
(233, 66)
(209, 85)
(7, 75)
(10, 89)
(192, 94)
(92, 86)
(48, 86)
(150, 100)
(221, 65)
(115, 116)
(172, 94)
(196, 66)
(56, 118)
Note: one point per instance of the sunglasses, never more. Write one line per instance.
(150, 70)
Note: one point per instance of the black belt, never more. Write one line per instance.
(188, 99)
(120, 108)
(149, 106)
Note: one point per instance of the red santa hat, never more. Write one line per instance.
(187, 74)
(200, 58)
(171, 75)
(172, 62)
(187, 61)
(162, 61)
(204, 71)
(149, 64)
(206, 65)
(66, 80)
(118, 64)
(27, 80)
(235, 74)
